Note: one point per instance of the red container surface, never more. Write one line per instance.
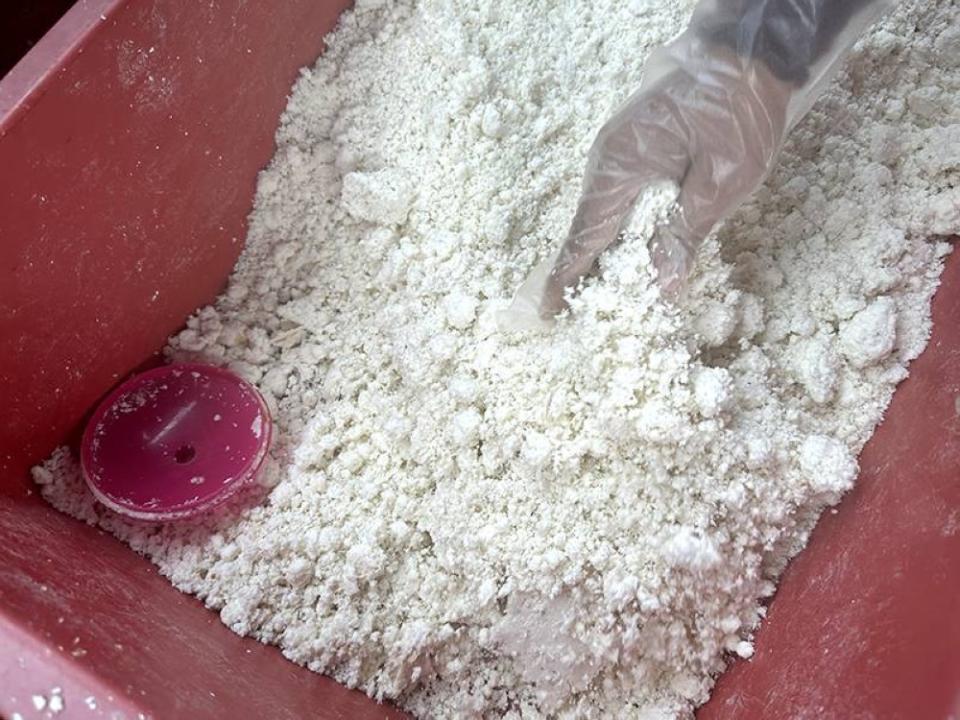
(130, 139)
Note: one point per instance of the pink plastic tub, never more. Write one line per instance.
(130, 139)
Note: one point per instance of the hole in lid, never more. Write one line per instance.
(185, 454)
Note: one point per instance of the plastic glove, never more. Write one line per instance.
(711, 116)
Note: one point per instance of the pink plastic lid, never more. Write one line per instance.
(175, 442)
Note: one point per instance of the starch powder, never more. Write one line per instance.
(581, 523)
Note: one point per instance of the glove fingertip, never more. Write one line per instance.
(534, 304)
(672, 257)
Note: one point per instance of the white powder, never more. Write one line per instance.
(581, 523)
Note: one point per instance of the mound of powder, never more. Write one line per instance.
(581, 523)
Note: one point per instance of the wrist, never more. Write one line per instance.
(769, 88)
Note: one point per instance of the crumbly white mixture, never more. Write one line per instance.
(583, 523)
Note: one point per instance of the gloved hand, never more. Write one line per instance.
(713, 129)
(711, 116)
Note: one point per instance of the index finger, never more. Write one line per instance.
(642, 144)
